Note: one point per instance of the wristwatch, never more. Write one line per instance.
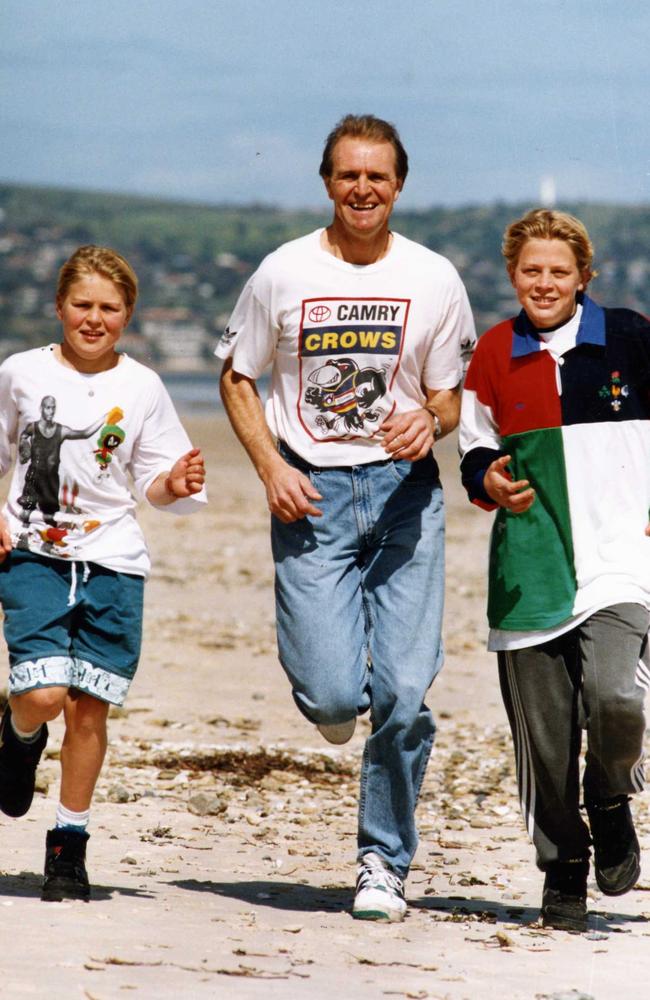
(437, 426)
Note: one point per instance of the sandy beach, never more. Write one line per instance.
(222, 850)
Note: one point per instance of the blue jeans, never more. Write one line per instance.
(359, 596)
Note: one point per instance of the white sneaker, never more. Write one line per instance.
(380, 892)
(337, 732)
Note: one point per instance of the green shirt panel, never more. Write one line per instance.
(532, 573)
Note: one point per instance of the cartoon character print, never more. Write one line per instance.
(349, 354)
(110, 437)
(70, 518)
(345, 394)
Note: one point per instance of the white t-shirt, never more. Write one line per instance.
(80, 439)
(348, 343)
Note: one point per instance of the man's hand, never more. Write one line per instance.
(515, 497)
(5, 540)
(409, 435)
(289, 492)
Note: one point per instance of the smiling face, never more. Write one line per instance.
(94, 315)
(364, 187)
(546, 279)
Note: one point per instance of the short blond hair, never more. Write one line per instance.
(548, 224)
(109, 263)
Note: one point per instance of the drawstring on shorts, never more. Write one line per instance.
(73, 582)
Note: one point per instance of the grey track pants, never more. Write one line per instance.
(588, 679)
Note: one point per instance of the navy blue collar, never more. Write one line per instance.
(526, 339)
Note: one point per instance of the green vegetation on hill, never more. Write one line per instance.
(153, 227)
(193, 259)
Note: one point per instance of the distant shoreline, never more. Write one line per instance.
(194, 393)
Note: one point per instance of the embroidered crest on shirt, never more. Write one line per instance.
(615, 392)
(349, 352)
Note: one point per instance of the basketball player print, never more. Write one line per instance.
(40, 444)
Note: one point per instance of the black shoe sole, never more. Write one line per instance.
(16, 813)
(617, 888)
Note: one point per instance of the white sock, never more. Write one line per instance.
(68, 818)
(26, 737)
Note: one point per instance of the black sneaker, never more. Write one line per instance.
(618, 856)
(564, 901)
(65, 866)
(18, 763)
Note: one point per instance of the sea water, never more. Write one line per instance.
(199, 393)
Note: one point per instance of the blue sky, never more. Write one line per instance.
(230, 102)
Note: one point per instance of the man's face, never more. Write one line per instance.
(363, 186)
(48, 408)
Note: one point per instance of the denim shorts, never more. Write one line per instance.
(71, 624)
